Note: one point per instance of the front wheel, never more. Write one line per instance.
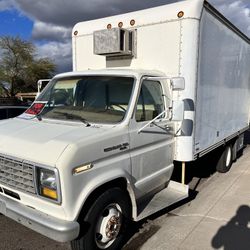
(107, 218)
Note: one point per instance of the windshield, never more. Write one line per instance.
(100, 99)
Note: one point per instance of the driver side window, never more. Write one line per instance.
(150, 103)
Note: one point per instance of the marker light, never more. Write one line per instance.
(50, 193)
(76, 33)
(109, 26)
(120, 24)
(83, 168)
(132, 22)
(180, 14)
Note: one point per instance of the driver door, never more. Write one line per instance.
(152, 148)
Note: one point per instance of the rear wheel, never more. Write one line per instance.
(225, 160)
(107, 218)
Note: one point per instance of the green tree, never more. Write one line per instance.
(20, 69)
(1, 92)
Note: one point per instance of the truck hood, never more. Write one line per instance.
(40, 141)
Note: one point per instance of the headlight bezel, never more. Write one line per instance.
(38, 185)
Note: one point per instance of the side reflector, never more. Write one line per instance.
(83, 168)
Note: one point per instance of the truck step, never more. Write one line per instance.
(173, 193)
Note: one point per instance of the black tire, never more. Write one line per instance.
(240, 152)
(225, 160)
(234, 149)
(108, 204)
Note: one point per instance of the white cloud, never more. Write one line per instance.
(47, 31)
(6, 5)
(59, 52)
(238, 12)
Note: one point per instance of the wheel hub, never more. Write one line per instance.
(108, 226)
(113, 227)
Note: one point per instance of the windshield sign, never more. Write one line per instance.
(97, 99)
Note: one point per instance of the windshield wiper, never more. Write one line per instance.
(78, 118)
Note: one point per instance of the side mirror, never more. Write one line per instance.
(177, 111)
(178, 83)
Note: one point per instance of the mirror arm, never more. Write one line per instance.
(139, 131)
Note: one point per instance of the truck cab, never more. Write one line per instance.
(88, 134)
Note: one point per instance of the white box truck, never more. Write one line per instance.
(98, 146)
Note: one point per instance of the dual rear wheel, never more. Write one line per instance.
(228, 154)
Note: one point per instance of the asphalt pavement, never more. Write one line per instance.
(216, 216)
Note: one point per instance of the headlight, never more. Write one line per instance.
(48, 184)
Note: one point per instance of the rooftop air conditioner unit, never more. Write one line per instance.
(114, 42)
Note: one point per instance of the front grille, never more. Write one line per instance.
(17, 174)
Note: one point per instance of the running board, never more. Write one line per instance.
(173, 193)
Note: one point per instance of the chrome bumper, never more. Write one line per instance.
(56, 229)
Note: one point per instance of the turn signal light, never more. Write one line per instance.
(82, 168)
(50, 193)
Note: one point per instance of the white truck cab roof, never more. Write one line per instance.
(114, 72)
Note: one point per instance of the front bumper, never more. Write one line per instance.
(56, 229)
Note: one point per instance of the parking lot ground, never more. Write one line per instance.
(217, 218)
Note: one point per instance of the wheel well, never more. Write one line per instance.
(119, 182)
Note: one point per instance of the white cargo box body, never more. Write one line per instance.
(203, 47)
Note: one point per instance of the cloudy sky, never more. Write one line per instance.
(48, 23)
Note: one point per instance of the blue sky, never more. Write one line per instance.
(48, 23)
(12, 23)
